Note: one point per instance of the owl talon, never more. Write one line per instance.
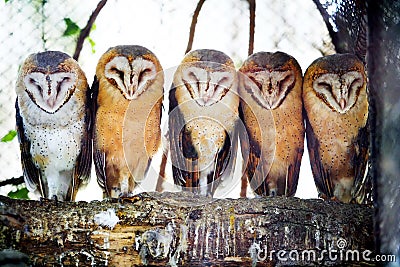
(272, 192)
(334, 199)
(326, 198)
(323, 196)
(130, 199)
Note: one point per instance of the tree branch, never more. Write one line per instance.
(325, 17)
(193, 25)
(181, 229)
(86, 31)
(12, 181)
(252, 8)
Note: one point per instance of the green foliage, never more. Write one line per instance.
(21, 193)
(5, 1)
(92, 44)
(72, 28)
(9, 136)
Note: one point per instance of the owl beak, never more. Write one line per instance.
(342, 103)
(133, 84)
(206, 93)
(270, 103)
(132, 89)
(50, 98)
(51, 102)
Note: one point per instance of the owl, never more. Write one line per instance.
(271, 110)
(203, 112)
(128, 92)
(54, 124)
(336, 104)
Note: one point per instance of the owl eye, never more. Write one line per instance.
(325, 86)
(192, 80)
(356, 84)
(193, 76)
(254, 80)
(143, 74)
(119, 72)
(34, 83)
(286, 82)
(64, 79)
(222, 82)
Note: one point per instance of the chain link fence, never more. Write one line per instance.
(29, 26)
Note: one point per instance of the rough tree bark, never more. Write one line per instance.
(178, 230)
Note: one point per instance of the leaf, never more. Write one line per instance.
(9, 136)
(5, 1)
(92, 44)
(72, 28)
(19, 194)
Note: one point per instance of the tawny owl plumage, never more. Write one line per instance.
(203, 112)
(336, 105)
(271, 110)
(54, 124)
(129, 91)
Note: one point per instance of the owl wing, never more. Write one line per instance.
(225, 159)
(99, 156)
(293, 174)
(362, 182)
(84, 161)
(154, 131)
(180, 146)
(321, 176)
(244, 148)
(251, 149)
(32, 175)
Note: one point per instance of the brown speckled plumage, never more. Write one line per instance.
(203, 132)
(337, 140)
(54, 124)
(272, 114)
(127, 131)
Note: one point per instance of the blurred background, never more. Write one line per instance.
(30, 26)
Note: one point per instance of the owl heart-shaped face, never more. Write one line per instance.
(207, 86)
(50, 91)
(270, 87)
(270, 77)
(339, 92)
(130, 77)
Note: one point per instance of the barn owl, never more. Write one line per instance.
(54, 123)
(128, 90)
(336, 105)
(203, 112)
(271, 110)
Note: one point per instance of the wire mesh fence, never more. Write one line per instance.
(29, 26)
